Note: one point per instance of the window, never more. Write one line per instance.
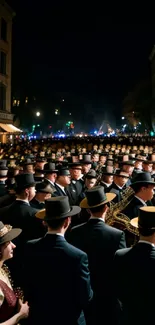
(2, 97)
(3, 30)
(2, 63)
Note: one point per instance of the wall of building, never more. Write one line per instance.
(6, 15)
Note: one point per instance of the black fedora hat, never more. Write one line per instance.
(7, 233)
(27, 161)
(24, 180)
(146, 218)
(120, 173)
(50, 168)
(108, 170)
(75, 165)
(63, 171)
(142, 178)
(57, 208)
(96, 197)
(91, 174)
(43, 187)
(86, 160)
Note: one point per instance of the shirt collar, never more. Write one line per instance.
(142, 201)
(55, 233)
(96, 218)
(146, 242)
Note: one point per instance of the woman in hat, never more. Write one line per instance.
(12, 310)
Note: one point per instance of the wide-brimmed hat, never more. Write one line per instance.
(24, 180)
(142, 178)
(57, 208)
(7, 233)
(146, 218)
(96, 197)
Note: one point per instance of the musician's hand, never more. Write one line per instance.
(23, 309)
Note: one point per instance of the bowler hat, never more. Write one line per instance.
(24, 180)
(146, 218)
(96, 197)
(7, 233)
(57, 208)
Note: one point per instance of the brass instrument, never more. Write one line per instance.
(117, 219)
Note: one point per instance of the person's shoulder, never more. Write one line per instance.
(79, 227)
(33, 242)
(122, 252)
(113, 231)
(74, 251)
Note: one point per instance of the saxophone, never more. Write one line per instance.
(116, 218)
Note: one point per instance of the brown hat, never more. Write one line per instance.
(7, 233)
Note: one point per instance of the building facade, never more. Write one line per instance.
(6, 16)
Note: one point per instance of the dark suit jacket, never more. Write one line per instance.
(132, 209)
(100, 242)
(3, 188)
(36, 204)
(21, 215)
(59, 191)
(113, 188)
(7, 199)
(57, 281)
(74, 191)
(134, 269)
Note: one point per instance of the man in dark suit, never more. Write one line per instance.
(20, 214)
(143, 186)
(100, 242)
(134, 270)
(57, 279)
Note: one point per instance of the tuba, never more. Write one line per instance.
(117, 219)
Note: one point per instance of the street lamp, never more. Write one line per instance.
(37, 113)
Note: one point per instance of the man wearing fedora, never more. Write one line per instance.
(143, 186)
(134, 269)
(21, 215)
(100, 242)
(50, 174)
(57, 279)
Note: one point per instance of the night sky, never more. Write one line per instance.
(57, 50)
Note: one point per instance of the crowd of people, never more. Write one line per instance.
(66, 214)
